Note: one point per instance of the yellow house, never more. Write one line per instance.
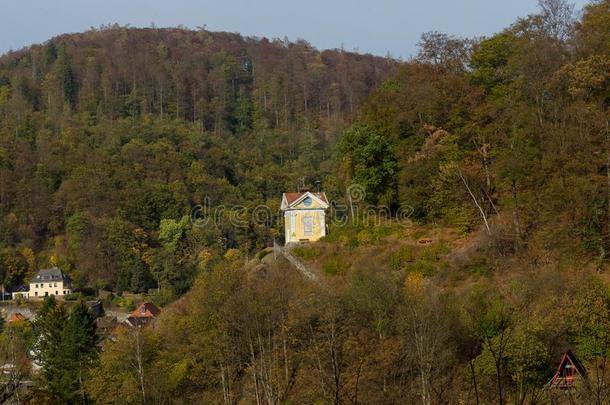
(304, 216)
(50, 282)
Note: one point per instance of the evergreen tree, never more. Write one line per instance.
(78, 352)
(48, 330)
(65, 349)
(367, 159)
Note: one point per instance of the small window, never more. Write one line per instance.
(36, 293)
(54, 284)
(56, 292)
(36, 285)
(308, 225)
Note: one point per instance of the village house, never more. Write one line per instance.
(143, 315)
(49, 282)
(304, 216)
(22, 291)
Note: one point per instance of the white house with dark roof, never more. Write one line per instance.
(22, 291)
(50, 282)
(304, 216)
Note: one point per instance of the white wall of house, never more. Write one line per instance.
(22, 294)
(43, 289)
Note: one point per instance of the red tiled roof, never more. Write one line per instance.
(292, 197)
(17, 316)
(146, 310)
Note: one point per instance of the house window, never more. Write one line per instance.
(36, 285)
(54, 284)
(36, 293)
(308, 225)
(56, 292)
(293, 219)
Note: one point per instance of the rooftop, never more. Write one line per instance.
(22, 288)
(17, 316)
(52, 274)
(146, 310)
(292, 197)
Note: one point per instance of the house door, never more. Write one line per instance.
(308, 225)
(569, 374)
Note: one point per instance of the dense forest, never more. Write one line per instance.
(498, 148)
(109, 138)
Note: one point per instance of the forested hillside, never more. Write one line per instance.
(497, 148)
(508, 133)
(110, 137)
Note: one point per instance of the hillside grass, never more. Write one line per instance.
(400, 248)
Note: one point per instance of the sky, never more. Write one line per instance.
(372, 26)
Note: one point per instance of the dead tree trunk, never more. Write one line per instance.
(139, 362)
(476, 201)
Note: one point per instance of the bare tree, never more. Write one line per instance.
(475, 200)
(440, 49)
(137, 361)
(557, 17)
(425, 324)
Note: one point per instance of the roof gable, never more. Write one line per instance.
(22, 288)
(17, 317)
(568, 361)
(292, 200)
(146, 310)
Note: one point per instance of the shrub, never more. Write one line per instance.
(418, 233)
(162, 297)
(400, 258)
(86, 291)
(127, 303)
(423, 267)
(232, 255)
(365, 237)
(262, 254)
(460, 218)
(333, 267)
(374, 234)
(478, 266)
(20, 299)
(130, 305)
(306, 252)
(433, 252)
(383, 231)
